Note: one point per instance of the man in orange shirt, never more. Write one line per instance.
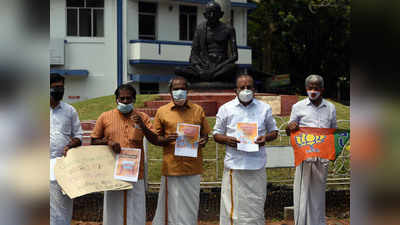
(125, 128)
(178, 199)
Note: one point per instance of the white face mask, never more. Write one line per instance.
(246, 95)
(313, 95)
(179, 96)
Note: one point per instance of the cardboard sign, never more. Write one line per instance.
(88, 169)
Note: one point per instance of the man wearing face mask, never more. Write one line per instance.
(178, 199)
(65, 133)
(310, 177)
(244, 182)
(124, 127)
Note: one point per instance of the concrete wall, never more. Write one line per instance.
(167, 25)
(240, 24)
(97, 55)
(173, 52)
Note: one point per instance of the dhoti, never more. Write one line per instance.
(181, 196)
(243, 195)
(113, 212)
(60, 206)
(309, 193)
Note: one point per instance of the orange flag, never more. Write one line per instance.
(324, 143)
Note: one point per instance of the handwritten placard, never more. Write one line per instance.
(88, 169)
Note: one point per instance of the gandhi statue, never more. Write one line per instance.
(214, 50)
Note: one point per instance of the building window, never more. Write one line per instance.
(149, 88)
(187, 22)
(85, 18)
(147, 20)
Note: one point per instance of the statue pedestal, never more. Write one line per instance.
(215, 86)
(211, 100)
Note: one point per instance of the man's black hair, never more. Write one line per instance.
(178, 78)
(55, 77)
(125, 87)
(243, 75)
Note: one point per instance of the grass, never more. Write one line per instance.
(91, 109)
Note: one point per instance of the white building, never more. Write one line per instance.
(99, 44)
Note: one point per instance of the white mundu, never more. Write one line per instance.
(310, 176)
(113, 211)
(244, 182)
(182, 196)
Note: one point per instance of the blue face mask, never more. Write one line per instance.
(125, 108)
(179, 94)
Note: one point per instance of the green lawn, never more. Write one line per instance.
(91, 109)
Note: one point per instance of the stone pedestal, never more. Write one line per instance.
(207, 86)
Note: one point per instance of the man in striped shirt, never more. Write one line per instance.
(124, 127)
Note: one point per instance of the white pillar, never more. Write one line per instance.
(124, 42)
(226, 8)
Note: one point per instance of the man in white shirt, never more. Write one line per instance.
(65, 133)
(244, 183)
(310, 177)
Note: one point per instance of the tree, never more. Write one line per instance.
(287, 37)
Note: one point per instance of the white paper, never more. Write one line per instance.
(248, 147)
(187, 143)
(52, 165)
(127, 164)
(247, 134)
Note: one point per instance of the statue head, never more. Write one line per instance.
(213, 12)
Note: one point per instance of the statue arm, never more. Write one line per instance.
(195, 58)
(233, 56)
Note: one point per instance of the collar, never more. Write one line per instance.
(122, 116)
(323, 102)
(59, 106)
(187, 105)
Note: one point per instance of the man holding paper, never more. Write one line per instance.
(186, 125)
(65, 133)
(310, 176)
(244, 125)
(120, 128)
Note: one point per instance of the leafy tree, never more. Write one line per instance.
(301, 38)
